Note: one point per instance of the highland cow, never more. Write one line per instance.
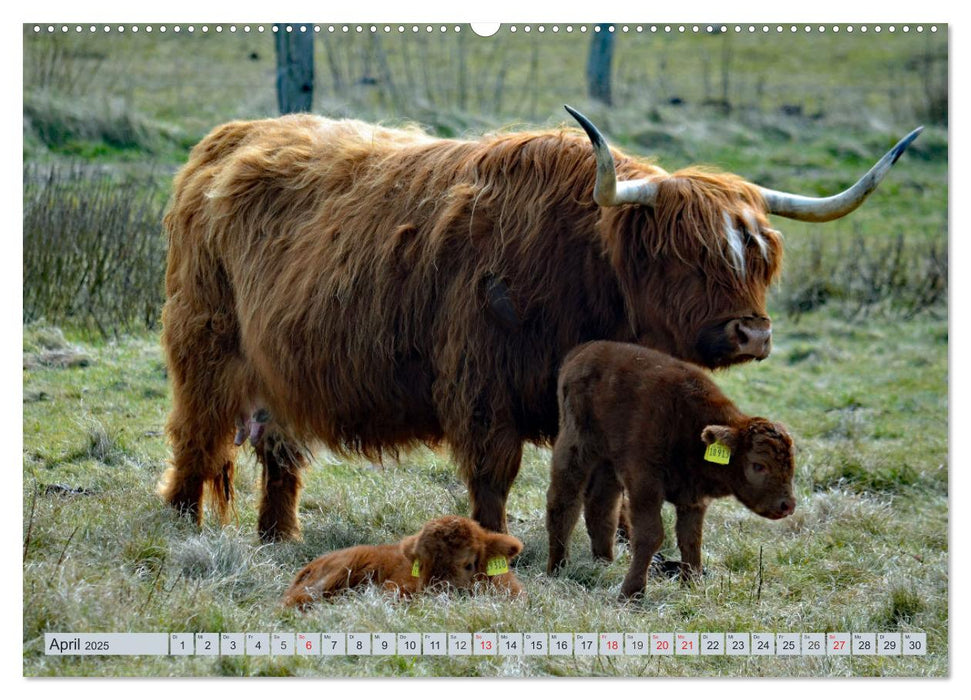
(449, 553)
(636, 421)
(374, 289)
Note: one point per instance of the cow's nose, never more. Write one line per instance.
(753, 336)
(787, 507)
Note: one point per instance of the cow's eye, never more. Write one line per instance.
(758, 467)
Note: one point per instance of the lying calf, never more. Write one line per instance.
(450, 551)
(636, 420)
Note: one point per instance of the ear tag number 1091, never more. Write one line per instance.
(718, 453)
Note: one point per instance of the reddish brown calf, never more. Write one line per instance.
(449, 551)
(636, 420)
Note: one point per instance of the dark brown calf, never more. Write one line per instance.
(450, 551)
(636, 420)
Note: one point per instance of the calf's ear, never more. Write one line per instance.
(499, 545)
(724, 434)
(409, 546)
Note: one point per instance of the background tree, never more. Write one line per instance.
(294, 68)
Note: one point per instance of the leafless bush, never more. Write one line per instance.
(423, 75)
(60, 64)
(94, 252)
(862, 276)
(934, 80)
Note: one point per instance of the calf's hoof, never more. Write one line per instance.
(630, 592)
(553, 567)
(672, 568)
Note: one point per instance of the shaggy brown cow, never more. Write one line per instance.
(448, 552)
(373, 288)
(637, 421)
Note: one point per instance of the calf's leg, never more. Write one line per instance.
(568, 477)
(623, 519)
(602, 509)
(691, 518)
(646, 537)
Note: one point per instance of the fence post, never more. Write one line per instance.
(294, 67)
(598, 64)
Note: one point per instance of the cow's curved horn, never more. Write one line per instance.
(818, 209)
(607, 191)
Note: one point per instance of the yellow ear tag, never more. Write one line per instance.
(415, 569)
(718, 453)
(497, 565)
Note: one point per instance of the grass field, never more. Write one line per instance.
(859, 369)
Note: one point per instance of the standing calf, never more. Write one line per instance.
(637, 420)
(450, 550)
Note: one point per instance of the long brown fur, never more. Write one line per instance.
(637, 422)
(344, 276)
(448, 552)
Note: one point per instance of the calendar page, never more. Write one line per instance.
(335, 332)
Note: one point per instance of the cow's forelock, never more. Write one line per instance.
(716, 221)
(747, 243)
(736, 246)
(754, 230)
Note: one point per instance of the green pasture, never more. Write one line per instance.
(859, 370)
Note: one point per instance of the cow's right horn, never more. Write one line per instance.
(819, 209)
(607, 191)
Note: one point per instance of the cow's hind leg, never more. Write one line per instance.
(282, 462)
(205, 372)
(203, 461)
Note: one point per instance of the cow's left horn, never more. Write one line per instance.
(818, 209)
(607, 191)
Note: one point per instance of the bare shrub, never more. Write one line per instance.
(863, 276)
(62, 64)
(94, 252)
